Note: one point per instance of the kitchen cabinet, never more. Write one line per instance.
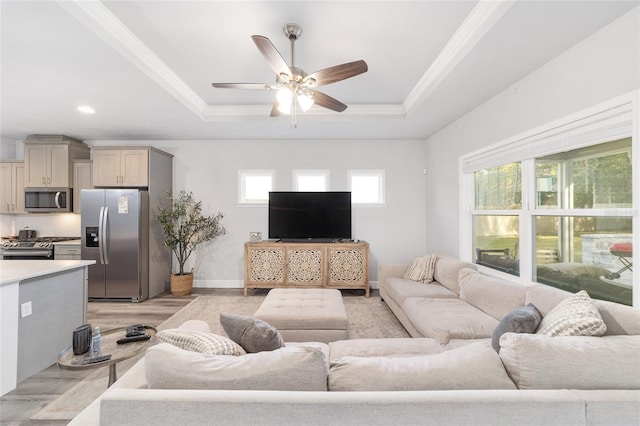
(120, 167)
(48, 160)
(12, 187)
(66, 251)
(82, 179)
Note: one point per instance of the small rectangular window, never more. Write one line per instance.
(311, 180)
(367, 186)
(254, 186)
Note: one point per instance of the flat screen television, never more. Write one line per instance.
(310, 215)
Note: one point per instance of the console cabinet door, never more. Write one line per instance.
(348, 266)
(264, 267)
(305, 266)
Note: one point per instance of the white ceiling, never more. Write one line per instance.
(147, 66)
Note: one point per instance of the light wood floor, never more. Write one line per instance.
(34, 393)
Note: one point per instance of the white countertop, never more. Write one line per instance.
(18, 270)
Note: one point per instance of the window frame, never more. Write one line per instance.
(380, 174)
(242, 185)
(324, 173)
(609, 121)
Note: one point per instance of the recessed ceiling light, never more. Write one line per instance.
(86, 109)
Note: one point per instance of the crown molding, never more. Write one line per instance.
(482, 18)
(99, 19)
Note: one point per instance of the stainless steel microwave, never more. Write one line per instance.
(45, 200)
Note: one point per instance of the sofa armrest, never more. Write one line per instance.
(390, 270)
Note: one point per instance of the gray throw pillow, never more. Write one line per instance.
(253, 334)
(521, 320)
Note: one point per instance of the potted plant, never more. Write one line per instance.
(184, 228)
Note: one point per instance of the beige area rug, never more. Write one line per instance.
(368, 318)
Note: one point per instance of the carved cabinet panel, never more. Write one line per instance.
(270, 264)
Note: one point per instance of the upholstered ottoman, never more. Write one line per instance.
(306, 314)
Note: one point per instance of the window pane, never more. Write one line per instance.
(311, 183)
(255, 186)
(585, 253)
(496, 242)
(499, 188)
(547, 195)
(367, 186)
(598, 176)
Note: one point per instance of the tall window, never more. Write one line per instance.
(557, 204)
(580, 219)
(367, 186)
(311, 180)
(254, 186)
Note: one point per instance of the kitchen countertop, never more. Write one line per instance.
(18, 270)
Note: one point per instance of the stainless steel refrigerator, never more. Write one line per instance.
(115, 233)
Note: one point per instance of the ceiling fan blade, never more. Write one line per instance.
(249, 86)
(275, 112)
(336, 73)
(327, 101)
(271, 54)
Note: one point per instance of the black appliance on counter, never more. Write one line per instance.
(40, 248)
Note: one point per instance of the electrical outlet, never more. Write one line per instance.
(25, 309)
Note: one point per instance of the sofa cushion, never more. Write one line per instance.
(253, 334)
(198, 341)
(571, 362)
(295, 368)
(399, 289)
(391, 347)
(447, 272)
(524, 319)
(421, 269)
(446, 319)
(494, 296)
(474, 366)
(574, 316)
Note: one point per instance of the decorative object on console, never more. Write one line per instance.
(82, 339)
(185, 227)
(521, 320)
(253, 334)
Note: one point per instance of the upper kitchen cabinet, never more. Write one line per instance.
(82, 179)
(134, 167)
(48, 160)
(12, 187)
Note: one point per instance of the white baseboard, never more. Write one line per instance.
(240, 284)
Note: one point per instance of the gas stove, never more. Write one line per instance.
(32, 248)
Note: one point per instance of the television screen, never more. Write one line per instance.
(309, 215)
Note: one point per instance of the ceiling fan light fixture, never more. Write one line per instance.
(284, 97)
(305, 101)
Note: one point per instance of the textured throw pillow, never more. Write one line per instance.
(253, 334)
(421, 269)
(574, 316)
(521, 320)
(198, 341)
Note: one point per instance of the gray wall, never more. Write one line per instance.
(395, 231)
(599, 68)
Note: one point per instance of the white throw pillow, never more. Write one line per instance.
(197, 341)
(421, 269)
(576, 315)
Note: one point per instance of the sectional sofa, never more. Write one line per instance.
(447, 374)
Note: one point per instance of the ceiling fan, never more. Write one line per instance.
(293, 85)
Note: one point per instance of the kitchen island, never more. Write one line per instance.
(41, 303)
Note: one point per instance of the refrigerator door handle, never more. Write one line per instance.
(101, 236)
(105, 237)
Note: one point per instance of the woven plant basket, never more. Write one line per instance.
(181, 285)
